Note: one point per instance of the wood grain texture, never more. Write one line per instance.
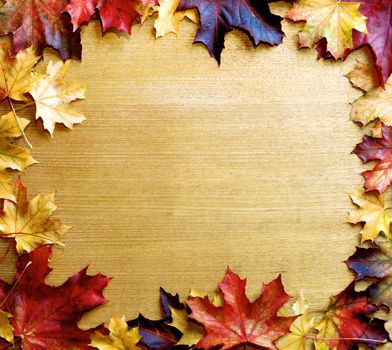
(183, 168)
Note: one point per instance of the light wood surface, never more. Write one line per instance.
(184, 168)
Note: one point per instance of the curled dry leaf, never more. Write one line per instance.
(40, 23)
(120, 337)
(333, 20)
(44, 316)
(52, 96)
(372, 211)
(239, 321)
(30, 222)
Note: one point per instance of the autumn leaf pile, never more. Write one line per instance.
(36, 316)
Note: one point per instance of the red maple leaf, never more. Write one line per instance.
(40, 23)
(44, 316)
(114, 14)
(379, 25)
(348, 321)
(218, 17)
(373, 148)
(239, 321)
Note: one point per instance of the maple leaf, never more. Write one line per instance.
(120, 337)
(191, 332)
(374, 106)
(372, 211)
(168, 302)
(218, 17)
(40, 23)
(239, 321)
(376, 103)
(380, 149)
(14, 157)
(169, 18)
(114, 14)
(44, 316)
(6, 188)
(300, 328)
(159, 334)
(375, 263)
(147, 8)
(11, 126)
(16, 78)
(155, 334)
(333, 20)
(52, 95)
(379, 25)
(364, 76)
(347, 321)
(6, 331)
(29, 222)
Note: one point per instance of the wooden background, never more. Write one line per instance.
(183, 168)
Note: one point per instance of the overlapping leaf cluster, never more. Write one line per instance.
(333, 27)
(33, 314)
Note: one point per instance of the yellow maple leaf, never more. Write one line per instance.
(300, 328)
(372, 211)
(169, 18)
(16, 76)
(29, 222)
(375, 104)
(363, 76)
(322, 345)
(14, 157)
(120, 338)
(217, 299)
(191, 333)
(52, 96)
(10, 127)
(6, 331)
(6, 188)
(333, 20)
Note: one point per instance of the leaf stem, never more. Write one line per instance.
(15, 284)
(346, 339)
(21, 108)
(20, 126)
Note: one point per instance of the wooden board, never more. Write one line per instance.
(184, 168)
